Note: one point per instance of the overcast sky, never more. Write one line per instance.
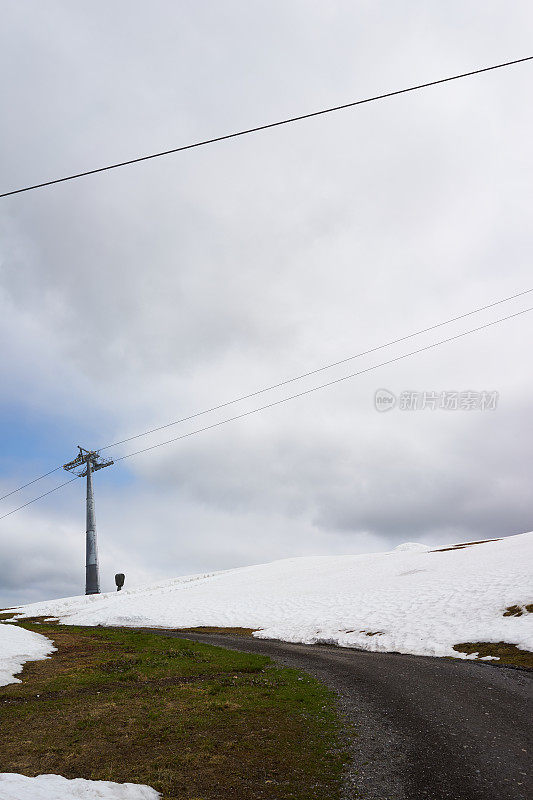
(145, 294)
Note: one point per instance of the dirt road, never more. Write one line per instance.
(426, 728)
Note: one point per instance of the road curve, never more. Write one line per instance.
(427, 728)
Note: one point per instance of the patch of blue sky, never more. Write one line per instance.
(33, 442)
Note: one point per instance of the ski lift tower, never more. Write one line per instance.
(89, 461)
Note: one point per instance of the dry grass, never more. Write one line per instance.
(194, 721)
(518, 611)
(462, 545)
(508, 654)
(210, 629)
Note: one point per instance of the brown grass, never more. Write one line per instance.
(462, 545)
(518, 611)
(210, 629)
(508, 654)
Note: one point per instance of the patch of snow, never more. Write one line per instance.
(55, 787)
(419, 601)
(17, 646)
(413, 547)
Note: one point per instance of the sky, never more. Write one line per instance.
(146, 294)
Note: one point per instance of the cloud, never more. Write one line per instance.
(145, 294)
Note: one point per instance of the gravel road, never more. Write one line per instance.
(426, 728)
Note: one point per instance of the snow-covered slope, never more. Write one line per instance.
(411, 600)
(18, 646)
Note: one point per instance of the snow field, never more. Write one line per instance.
(410, 600)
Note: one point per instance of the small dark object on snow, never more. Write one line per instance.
(119, 580)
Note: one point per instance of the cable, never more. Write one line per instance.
(286, 399)
(264, 127)
(323, 385)
(286, 382)
(46, 474)
(38, 498)
(315, 371)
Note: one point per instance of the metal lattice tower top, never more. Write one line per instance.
(83, 458)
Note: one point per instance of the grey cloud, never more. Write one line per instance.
(144, 294)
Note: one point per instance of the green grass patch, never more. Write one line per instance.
(508, 654)
(194, 721)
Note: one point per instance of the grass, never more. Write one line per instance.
(508, 654)
(194, 721)
(518, 611)
(462, 545)
(210, 629)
